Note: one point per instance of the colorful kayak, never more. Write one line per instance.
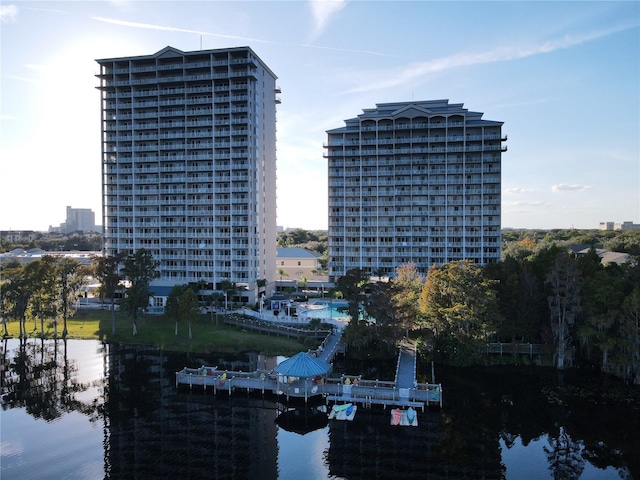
(411, 415)
(343, 412)
(396, 416)
(339, 408)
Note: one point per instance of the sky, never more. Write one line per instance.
(564, 77)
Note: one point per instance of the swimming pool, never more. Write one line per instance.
(334, 303)
(326, 309)
(326, 313)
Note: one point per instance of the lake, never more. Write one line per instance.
(81, 409)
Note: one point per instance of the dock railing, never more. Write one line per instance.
(383, 392)
(359, 390)
(271, 327)
(515, 348)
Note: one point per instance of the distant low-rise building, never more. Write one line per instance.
(619, 226)
(299, 262)
(20, 236)
(300, 268)
(606, 256)
(26, 256)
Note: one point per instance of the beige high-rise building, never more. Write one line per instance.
(189, 165)
(414, 182)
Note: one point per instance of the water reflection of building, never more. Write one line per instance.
(152, 431)
(371, 448)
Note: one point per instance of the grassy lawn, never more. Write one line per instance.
(159, 331)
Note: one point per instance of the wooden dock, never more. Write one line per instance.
(365, 392)
(403, 392)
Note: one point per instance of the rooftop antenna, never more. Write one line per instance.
(200, 42)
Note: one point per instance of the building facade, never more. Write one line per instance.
(79, 219)
(628, 225)
(414, 182)
(189, 165)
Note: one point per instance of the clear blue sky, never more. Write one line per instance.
(563, 76)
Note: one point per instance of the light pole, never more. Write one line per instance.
(225, 301)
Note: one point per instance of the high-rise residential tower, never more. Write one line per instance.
(413, 182)
(189, 165)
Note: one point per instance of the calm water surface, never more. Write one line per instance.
(84, 410)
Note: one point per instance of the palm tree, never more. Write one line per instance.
(303, 281)
(283, 273)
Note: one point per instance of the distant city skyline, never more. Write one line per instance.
(563, 76)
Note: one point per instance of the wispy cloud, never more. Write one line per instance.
(563, 187)
(349, 50)
(417, 70)
(323, 11)
(518, 190)
(522, 104)
(34, 67)
(526, 204)
(149, 26)
(21, 79)
(8, 13)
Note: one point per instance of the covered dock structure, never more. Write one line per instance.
(306, 375)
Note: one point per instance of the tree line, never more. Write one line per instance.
(586, 313)
(55, 242)
(47, 289)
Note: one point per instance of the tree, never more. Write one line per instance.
(172, 307)
(106, 271)
(394, 304)
(189, 308)
(361, 334)
(522, 300)
(406, 289)
(564, 456)
(69, 280)
(303, 282)
(602, 292)
(17, 290)
(353, 286)
(44, 302)
(459, 306)
(628, 352)
(140, 269)
(564, 303)
(368, 338)
(282, 273)
(228, 290)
